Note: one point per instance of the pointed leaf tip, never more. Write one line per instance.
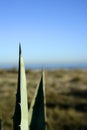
(43, 73)
(19, 48)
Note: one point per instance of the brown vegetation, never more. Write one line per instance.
(66, 96)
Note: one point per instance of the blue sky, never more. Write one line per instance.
(50, 31)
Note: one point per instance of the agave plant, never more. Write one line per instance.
(20, 118)
(35, 119)
(37, 111)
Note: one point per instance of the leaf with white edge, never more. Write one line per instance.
(20, 118)
(37, 112)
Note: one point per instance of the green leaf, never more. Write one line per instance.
(37, 112)
(20, 119)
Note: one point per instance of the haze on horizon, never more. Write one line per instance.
(50, 31)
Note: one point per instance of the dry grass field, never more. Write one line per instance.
(66, 97)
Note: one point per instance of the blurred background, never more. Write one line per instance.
(52, 34)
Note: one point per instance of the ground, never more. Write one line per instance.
(66, 97)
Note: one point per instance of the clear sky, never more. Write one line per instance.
(50, 31)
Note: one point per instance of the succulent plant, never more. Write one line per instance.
(20, 118)
(35, 119)
(37, 111)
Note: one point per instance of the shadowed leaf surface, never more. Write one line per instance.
(38, 111)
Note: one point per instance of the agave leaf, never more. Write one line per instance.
(37, 111)
(20, 119)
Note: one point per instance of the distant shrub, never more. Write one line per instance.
(75, 79)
